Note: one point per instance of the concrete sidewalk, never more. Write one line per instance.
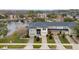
(30, 43)
(44, 42)
(74, 45)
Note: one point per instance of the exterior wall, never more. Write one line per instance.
(32, 32)
(44, 31)
(70, 31)
(58, 27)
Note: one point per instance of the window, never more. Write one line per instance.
(39, 31)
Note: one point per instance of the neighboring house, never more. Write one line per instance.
(41, 15)
(59, 18)
(42, 28)
(69, 16)
(77, 17)
(13, 17)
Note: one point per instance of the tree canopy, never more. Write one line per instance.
(68, 20)
(76, 28)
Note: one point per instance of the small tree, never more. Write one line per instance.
(37, 39)
(21, 16)
(63, 35)
(50, 36)
(60, 32)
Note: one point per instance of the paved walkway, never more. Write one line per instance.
(30, 43)
(44, 42)
(74, 45)
(58, 43)
(76, 39)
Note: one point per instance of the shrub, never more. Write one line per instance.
(63, 35)
(70, 35)
(47, 35)
(34, 36)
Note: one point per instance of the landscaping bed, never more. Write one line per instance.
(50, 40)
(38, 41)
(64, 40)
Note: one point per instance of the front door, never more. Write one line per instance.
(38, 31)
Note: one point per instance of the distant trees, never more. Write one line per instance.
(39, 20)
(68, 20)
(21, 16)
(51, 16)
(76, 28)
(3, 28)
(31, 13)
(3, 16)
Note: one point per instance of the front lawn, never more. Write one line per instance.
(13, 39)
(50, 40)
(64, 41)
(38, 41)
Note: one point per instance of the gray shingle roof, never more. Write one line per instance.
(46, 24)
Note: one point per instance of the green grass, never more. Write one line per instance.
(20, 41)
(16, 46)
(35, 41)
(65, 41)
(13, 39)
(51, 41)
(1, 46)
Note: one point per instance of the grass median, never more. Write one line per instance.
(16, 46)
(65, 42)
(38, 41)
(51, 41)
